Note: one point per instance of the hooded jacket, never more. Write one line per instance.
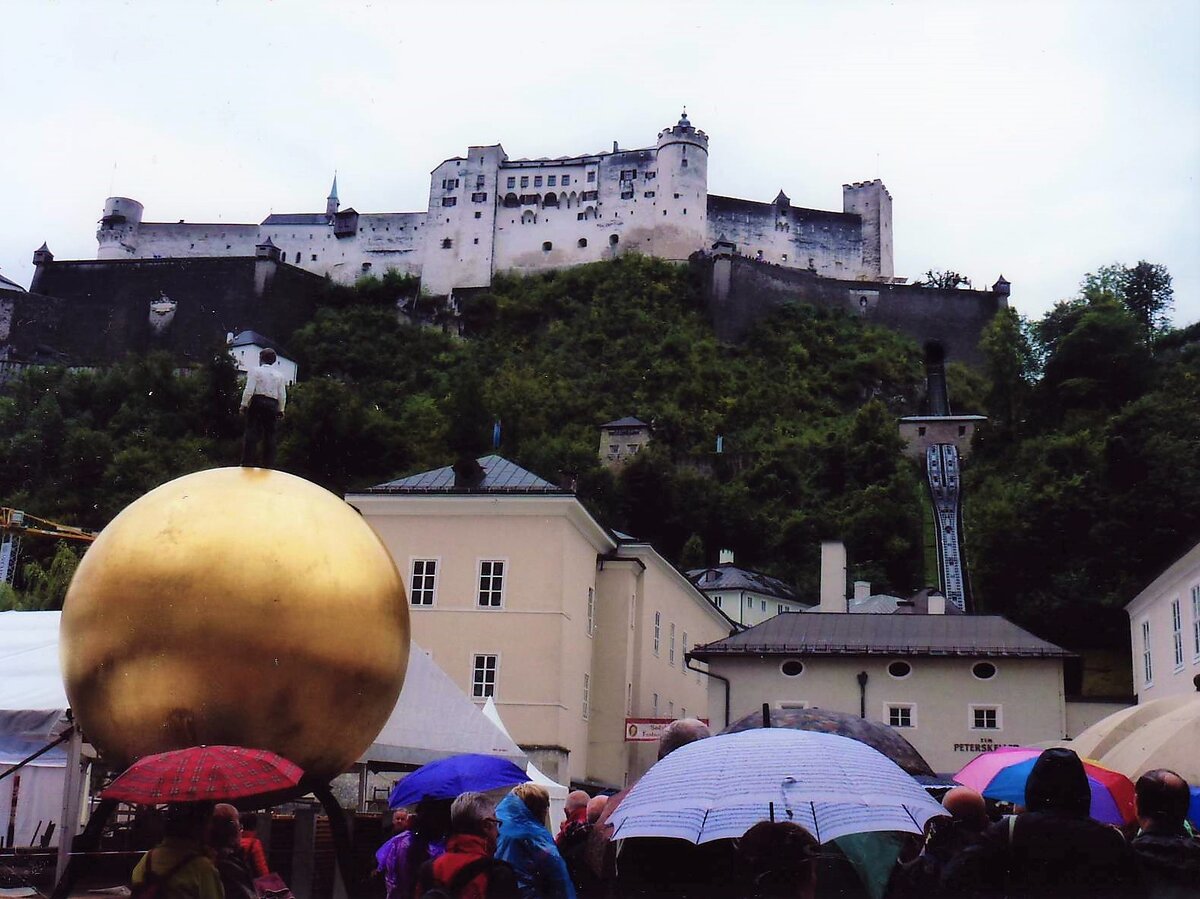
(1053, 849)
(526, 844)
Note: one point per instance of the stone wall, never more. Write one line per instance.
(94, 312)
(745, 291)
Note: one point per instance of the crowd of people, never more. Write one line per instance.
(473, 849)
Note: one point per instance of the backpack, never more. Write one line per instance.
(498, 886)
(154, 886)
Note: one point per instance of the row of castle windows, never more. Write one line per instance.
(547, 246)
(551, 180)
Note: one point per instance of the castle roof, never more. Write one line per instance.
(333, 190)
(718, 204)
(782, 199)
(6, 284)
(297, 218)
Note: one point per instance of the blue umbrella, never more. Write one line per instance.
(446, 778)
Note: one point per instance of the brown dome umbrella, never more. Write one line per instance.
(876, 735)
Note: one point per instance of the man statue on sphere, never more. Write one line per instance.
(263, 402)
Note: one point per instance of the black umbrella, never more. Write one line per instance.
(876, 735)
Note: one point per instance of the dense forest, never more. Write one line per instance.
(1081, 487)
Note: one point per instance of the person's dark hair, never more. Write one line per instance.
(1162, 795)
(1058, 783)
(267, 356)
(186, 820)
(249, 821)
(430, 824)
(777, 856)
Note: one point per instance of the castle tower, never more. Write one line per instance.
(681, 197)
(871, 201)
(117, 234)
(331, 202)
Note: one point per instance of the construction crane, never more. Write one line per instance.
(15, 524)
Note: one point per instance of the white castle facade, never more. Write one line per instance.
(488, 213)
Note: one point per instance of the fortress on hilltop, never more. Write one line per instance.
(488, 213)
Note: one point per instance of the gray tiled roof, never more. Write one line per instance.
(253, 338)
(500, 476)
(730, 577)
(627, 422)
(827, 633)
(297, 218)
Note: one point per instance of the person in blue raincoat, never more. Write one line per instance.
(526, 844)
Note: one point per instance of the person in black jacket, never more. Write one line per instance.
(1053, 849)
(1168, 856)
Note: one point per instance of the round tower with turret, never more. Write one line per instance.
(117, 234)
(681, 191)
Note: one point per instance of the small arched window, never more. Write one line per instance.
(582, 242)
(547, 246)
(551, 199)
(445, 243)
(613, 240)
(511, 201)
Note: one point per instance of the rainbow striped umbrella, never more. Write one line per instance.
(1001, 774)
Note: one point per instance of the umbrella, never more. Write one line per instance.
(876, 735)
(720, 787)
(203, 773)
(446, 778)
(1169, 741)
(1002, 773)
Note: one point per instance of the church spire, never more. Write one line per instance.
(331, 204)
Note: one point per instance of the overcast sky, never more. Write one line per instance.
(1040, 140)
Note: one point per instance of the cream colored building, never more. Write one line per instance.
(1164, 625)
(519, 594)
(952, 685)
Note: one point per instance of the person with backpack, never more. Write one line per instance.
(224, 839)
(467, 870)
(179, 867)
(424, 838)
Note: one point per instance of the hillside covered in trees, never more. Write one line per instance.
(1081, 488)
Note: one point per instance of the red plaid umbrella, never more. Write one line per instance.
(203, 773)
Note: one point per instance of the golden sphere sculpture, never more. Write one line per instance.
(238, 606)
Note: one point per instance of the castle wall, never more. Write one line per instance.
(94, 312)
(160, 240)
(828, 243)
(953, 319)
(381, 241)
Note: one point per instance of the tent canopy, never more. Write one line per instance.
(33, 701)
(434, 719)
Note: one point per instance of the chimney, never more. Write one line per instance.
(937, 603)
(833, 577)
(862, 590)
(725, 557)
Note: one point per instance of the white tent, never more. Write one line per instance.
(558, 792)
(33, 707)
(434, 719)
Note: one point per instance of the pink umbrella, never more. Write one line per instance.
(980, 771)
